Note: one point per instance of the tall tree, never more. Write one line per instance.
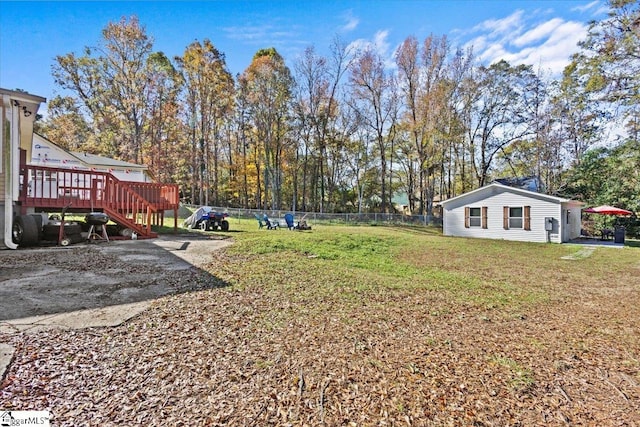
(165, 143)
(455, 176)
(606, 75)
(610, 54)
(494, 117)
(247, 166)
(110, 82)
(376, 104)
(316, 110)
(425, 75)
(309, 108)
(269, 86)
(125, 53)
(409, 76)
(581, 118)
(210, 89)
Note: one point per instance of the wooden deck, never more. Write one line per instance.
(134, 205)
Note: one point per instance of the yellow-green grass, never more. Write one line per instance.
(347, 261)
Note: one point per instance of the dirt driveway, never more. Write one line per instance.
(48, 280)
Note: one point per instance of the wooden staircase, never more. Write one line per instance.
(133, 205)
(128, 208)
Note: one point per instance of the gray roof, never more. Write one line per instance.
(94, 159)
(490, 187)
(24, 96)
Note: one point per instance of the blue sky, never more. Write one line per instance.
(543, 33)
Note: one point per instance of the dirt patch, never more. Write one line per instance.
(52, 280)
(581, 254)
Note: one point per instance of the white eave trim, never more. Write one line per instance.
(520, 191)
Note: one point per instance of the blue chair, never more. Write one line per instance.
(271, 225)
(289, 220)
(260, 223)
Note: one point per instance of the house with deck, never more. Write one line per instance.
(47, 153)
(498, 211)
(30, 187)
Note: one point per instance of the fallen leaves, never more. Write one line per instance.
(294, 351)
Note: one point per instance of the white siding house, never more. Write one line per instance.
(498, 211)
(18, 111)
(46, 153)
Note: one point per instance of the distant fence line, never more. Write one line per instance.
(330, 218)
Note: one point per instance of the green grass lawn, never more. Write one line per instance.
(374, 260)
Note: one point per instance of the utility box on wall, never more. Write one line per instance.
(548, 224)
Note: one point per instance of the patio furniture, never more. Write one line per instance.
(289, 220)
(271, 225)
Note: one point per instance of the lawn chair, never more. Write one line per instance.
(288, 218)
(260, 223)
(271, 225)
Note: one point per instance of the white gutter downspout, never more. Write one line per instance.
(8, 159)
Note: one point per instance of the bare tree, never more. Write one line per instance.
(494, 116)
(316, 109)
(376, 103)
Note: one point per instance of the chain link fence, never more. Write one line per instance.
(330, 218)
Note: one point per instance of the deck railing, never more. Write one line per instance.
(132, 204)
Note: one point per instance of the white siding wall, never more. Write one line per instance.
(495, 200)
(44, 153)
(574, 226)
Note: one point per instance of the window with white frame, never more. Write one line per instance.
(475, 217)
(515, 217)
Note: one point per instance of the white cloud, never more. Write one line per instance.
(540, 32)
(358, 45)
(586, 7)
(521, 39)
(495, 53)
(595, 8)
(479, 43)
(506, 25)
(554, 53)
(267, 33)
(248, 32)
(378, 43)
(351, 24)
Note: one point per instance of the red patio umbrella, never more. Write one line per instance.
(607, 210)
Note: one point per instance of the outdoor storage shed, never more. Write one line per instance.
(498, 211)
